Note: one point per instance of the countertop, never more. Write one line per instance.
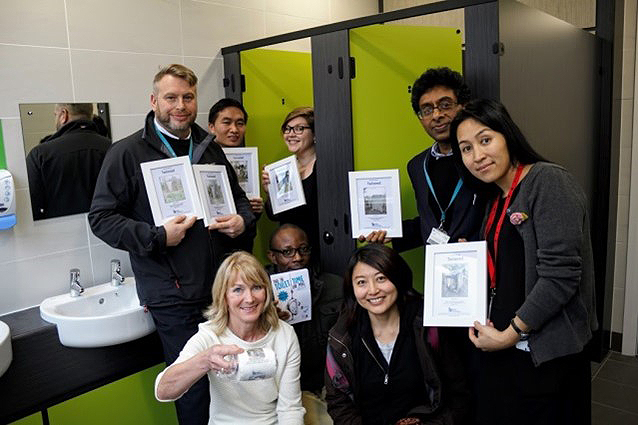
(44, 372)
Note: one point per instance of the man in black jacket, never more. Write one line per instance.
(174, 264)
(63, 168)
(448, 207)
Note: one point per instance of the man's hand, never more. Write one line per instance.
(282, 314)
(265, 179)
(176, 229)
(377, 236)
(231, 225)
(256, 205)
(488, 338)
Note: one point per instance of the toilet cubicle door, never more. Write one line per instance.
(276, 82)
(386, 131)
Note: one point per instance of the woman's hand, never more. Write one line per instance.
(214, 357)
(265, 179)
(256, 205)
(488, 338)
(376, 236)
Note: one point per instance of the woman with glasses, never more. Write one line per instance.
(298, 133)
(532, 367)
(383, 366)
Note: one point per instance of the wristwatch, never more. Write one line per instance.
(521, 334)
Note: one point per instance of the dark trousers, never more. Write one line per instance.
(175, 325)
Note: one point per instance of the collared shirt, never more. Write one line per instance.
(166, 132)
(436, 152)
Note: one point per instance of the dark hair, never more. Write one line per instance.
(222, 104)
(440, 77)
(278, 230)
(306, 112)
(493, 114)
(388, 262)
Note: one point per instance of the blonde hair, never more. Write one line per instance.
(243, 265)
(178, 71)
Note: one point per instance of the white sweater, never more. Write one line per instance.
(276, 400)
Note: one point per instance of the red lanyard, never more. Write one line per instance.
(491, 264)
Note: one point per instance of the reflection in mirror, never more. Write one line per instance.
(64, 144)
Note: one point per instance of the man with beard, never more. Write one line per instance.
(63, 168)
(174, 264)
(290, 250)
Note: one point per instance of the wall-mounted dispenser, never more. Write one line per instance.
(7, 200)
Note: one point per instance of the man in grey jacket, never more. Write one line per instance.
(174, 264)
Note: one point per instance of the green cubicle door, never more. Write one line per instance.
(276, 82)
(386, 132)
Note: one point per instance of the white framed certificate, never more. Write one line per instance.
(171, 189)
(245, 162)
(214, 191)
(375, 202)
(285, 189)
(455, 289)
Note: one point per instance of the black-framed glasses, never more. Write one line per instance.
(303, 250)
(443, 106)
(298, 129)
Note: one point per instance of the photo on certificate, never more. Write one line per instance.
(455, 288)
(214, 189)
(375, 202)
(285, 189)
(171, 189)
(245, 162)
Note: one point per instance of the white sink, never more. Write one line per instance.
(6, 354)
(103, 315)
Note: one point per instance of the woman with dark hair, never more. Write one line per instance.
(298, 131)
(532, 367)
(383, 366)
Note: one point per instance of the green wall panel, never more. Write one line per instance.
(276, 82)
(3, 158)
(127, 401)
(387, 133)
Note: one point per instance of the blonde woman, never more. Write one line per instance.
(241, 317)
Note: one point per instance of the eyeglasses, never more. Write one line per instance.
(303, 250)
(298, 129)
(443, 106)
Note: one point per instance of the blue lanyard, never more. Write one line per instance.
(456, 192)
(170, 148)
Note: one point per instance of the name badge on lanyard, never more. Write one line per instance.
(439, 235)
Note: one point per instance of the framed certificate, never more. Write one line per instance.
(214, 190)
(285, 189)
(171, 189)
(455, 289)
(375, 202)
(245, 161)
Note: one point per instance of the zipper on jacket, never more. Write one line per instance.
(385, 372)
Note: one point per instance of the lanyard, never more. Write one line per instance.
(491, 265)
(456, 192)
(170, 148)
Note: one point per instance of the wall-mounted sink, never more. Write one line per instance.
(103, 315)
(6, 353)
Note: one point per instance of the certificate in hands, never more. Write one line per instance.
(455, 289)
(292, 290)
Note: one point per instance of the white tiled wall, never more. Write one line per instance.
(95, 50)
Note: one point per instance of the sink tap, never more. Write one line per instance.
(76, 288)
(116, 278)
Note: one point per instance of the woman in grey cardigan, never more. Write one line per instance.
(531, 365)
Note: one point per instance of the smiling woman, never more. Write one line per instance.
(242, 318)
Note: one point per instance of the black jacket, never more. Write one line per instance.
(121, 216)
(63, 169)
(327, 295)
(467, 210)
(448, 399)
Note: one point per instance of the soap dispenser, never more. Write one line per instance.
(7, 200)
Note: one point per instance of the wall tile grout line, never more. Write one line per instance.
(615, 408)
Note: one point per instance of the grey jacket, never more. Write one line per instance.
(559, 268)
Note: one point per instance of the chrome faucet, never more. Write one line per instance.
(116, 278)
(76, 288)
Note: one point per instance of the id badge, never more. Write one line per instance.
(438, 236)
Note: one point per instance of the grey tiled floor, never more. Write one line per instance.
(614, 392)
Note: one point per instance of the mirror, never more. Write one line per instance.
(64, 144)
